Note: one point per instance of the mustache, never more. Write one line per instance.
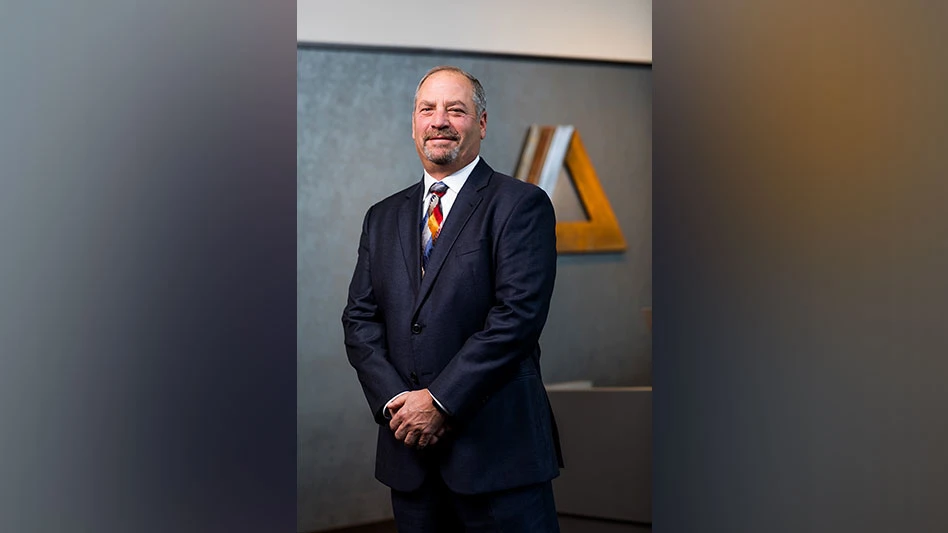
(443, 134)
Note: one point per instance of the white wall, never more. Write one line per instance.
(616, 30)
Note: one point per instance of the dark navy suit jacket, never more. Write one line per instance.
(468, 331)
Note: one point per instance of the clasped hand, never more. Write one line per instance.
(415, 420)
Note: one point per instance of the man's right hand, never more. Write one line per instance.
(432, 440)
(419, 424)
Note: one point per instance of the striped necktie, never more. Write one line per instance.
(431, 224)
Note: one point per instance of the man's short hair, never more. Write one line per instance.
(480, 97)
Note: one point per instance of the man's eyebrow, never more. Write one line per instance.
(458, 103)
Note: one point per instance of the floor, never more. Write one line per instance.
(568, 524)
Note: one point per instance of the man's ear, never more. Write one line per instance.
(483, 122)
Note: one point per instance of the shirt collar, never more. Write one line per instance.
(454, 181)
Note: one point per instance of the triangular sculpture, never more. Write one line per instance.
(545, 151)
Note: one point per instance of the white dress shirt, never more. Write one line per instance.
(454, 182)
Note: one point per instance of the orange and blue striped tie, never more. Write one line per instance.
(431, 224)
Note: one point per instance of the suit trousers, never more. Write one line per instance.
(434, 508)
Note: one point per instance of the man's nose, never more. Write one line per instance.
(440, 119)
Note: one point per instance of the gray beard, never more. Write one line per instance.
(443, 157)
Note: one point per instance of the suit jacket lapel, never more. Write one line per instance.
(461, 212)
(409, 234)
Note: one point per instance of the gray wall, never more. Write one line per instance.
(354, 147)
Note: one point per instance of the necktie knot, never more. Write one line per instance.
(438, 188)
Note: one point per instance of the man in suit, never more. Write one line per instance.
(447, 302)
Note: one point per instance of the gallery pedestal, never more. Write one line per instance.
(606, 434)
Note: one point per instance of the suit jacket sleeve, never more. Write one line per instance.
(525, 269)
(365, 338)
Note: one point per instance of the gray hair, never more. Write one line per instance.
(480, 98)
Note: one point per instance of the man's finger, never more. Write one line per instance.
(398, 419)
(402, 432)
(395, 423)
(397, 402)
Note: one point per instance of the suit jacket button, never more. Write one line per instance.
(416, 328)
(414, 378)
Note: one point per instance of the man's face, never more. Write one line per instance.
(445, 125)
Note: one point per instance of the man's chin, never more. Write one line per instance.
(441, 158)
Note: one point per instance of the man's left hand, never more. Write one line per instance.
(416, 422)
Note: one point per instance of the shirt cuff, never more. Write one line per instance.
(438, 404)
(385, 411)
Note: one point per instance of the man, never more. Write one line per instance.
(450, 293)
